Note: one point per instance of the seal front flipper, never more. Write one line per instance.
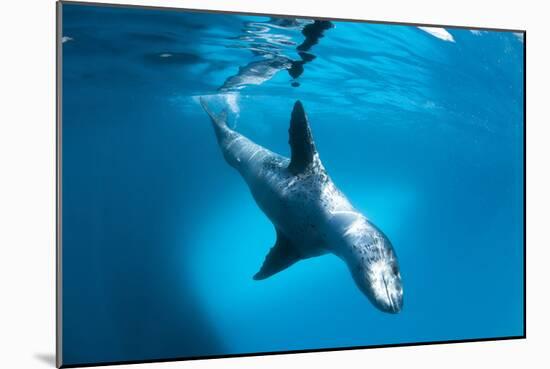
(281, 256)
(302, 147)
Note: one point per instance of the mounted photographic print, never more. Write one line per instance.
(235, 184)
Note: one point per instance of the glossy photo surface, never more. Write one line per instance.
(392, 193)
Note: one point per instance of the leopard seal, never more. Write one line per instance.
(311, 216)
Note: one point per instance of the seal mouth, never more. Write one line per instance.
(385, 286)
(393, 307)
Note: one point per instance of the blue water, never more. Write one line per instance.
(161, 238)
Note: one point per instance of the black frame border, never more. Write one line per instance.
(58, 194)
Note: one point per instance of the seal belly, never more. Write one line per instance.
(291, 203)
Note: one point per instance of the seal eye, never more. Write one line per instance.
(394, 269)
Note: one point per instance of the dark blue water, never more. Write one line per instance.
(421, 129)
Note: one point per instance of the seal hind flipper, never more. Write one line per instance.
(302, 147)
(218, 120)
(281, 256)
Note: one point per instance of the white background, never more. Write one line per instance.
(27, 182)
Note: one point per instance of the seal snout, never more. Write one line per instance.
(382, 284)
(392, 302)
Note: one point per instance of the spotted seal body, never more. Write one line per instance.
(311, 216)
